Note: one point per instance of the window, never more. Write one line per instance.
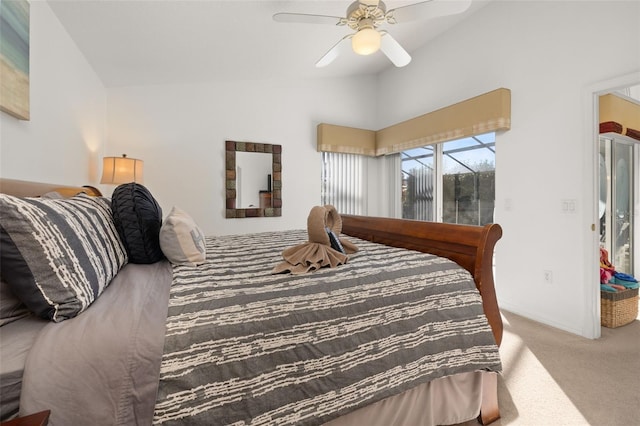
(456, 179)
(451, 182)
(418, 183)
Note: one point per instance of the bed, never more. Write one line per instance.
(162, 345)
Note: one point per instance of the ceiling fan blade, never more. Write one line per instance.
(305, 18)
(343, 45)
(393, 50)
(426, 10)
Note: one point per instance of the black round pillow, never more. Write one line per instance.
(138, 217)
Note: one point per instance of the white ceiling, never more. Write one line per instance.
(135, 42)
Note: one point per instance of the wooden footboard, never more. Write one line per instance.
(469, 246)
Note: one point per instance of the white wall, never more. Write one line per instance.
(548, 54)
(63, 141)
(180, 132)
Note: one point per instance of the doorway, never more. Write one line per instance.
(591, 324)
(618, 152)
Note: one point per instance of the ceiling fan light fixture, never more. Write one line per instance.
(366, 41)
(364, 16)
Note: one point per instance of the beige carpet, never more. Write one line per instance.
(551, 377)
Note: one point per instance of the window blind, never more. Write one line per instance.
(344, 182)
(393, 172)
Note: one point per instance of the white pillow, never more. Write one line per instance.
(181, 240)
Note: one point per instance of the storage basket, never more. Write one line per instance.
(618, 309)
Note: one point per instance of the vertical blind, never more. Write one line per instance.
(344, 182)
(420, 194)
(393, 172)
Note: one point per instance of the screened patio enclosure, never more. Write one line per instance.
(462, 171)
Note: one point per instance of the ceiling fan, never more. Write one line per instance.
(365, 16)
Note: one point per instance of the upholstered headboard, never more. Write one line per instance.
(22, 188)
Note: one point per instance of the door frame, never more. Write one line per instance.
(591, 319)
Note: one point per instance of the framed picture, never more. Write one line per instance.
(14, 58)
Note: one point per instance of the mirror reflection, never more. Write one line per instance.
(253, 179)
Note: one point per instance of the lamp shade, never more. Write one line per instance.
(117, 170)
(366, 41)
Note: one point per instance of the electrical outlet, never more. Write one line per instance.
(548, 277)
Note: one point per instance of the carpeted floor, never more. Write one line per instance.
(551, 377)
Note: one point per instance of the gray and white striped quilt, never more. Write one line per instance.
(244, 346)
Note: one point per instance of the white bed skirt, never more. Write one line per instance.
(445, 401)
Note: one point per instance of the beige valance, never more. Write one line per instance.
(346, 140)
(482, 114)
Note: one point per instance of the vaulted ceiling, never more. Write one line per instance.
(135, 42)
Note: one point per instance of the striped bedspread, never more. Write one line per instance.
(244, 346)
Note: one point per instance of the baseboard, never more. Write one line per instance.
(518, 310)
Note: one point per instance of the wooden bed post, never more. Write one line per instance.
(489, 411)
(483, 276)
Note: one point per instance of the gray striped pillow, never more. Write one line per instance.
(58, 256)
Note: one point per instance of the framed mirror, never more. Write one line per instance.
(253, 182)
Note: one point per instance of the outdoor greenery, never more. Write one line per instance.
(468, 198)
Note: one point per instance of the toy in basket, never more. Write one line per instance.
(618, 295)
